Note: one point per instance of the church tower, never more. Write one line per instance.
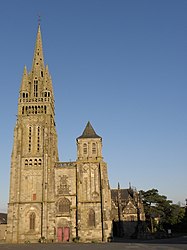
(93, 191)
(89, 145)
(33, 156)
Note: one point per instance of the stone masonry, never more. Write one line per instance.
(50, 200)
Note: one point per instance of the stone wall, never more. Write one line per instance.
(2, 232)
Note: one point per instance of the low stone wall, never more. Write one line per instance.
(2, 232)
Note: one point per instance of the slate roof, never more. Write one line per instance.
(124, 193)
(89, 132)
(3, 218)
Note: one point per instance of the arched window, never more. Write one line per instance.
(94, 148)
(32, 221)
(38, 140)
(64, 206)
(91, 218)
(85, 149)
(29, 139)
(35, 88)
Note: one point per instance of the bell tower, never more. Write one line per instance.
(34, 155)
(93, 191)
(89, 145)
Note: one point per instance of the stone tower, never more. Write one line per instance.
(93, 191)
(82, 193)
(33, 156)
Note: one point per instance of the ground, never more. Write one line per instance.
(163, 244)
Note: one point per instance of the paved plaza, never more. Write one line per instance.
(165, 244)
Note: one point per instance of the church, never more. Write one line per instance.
(50, 200)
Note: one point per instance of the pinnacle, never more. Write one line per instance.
(38, 60)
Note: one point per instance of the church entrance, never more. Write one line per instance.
(63, 234)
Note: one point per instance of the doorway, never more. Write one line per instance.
(63, 234)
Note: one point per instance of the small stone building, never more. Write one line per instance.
(127, 212)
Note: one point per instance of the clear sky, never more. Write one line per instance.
(122, 64)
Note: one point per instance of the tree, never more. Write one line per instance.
(160, 213)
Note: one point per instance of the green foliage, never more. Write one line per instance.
(160, 213)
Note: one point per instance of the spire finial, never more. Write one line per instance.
(39, 20)
(38, 60)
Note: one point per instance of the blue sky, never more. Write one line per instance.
(120, 64)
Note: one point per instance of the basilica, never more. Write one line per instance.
(50, 200)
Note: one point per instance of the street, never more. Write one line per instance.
(162, 244)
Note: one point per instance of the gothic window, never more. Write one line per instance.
(85, 149)
(26, 110)
(46, 94)
(26, 162)
(38, 140)
(64, 206)
(45, 109)
(91, 218)
(39, 162)
(22, 110)
(24, 95)
(29, 139)
(32, 221)
(35, 88)
(94, 148)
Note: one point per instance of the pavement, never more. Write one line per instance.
(159, 244)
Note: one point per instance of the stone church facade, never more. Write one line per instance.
(48, 199)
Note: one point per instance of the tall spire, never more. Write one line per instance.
(24, 81)
(38, 59)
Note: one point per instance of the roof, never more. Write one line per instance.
(89, 132)
(3, 218)
(124, 193)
